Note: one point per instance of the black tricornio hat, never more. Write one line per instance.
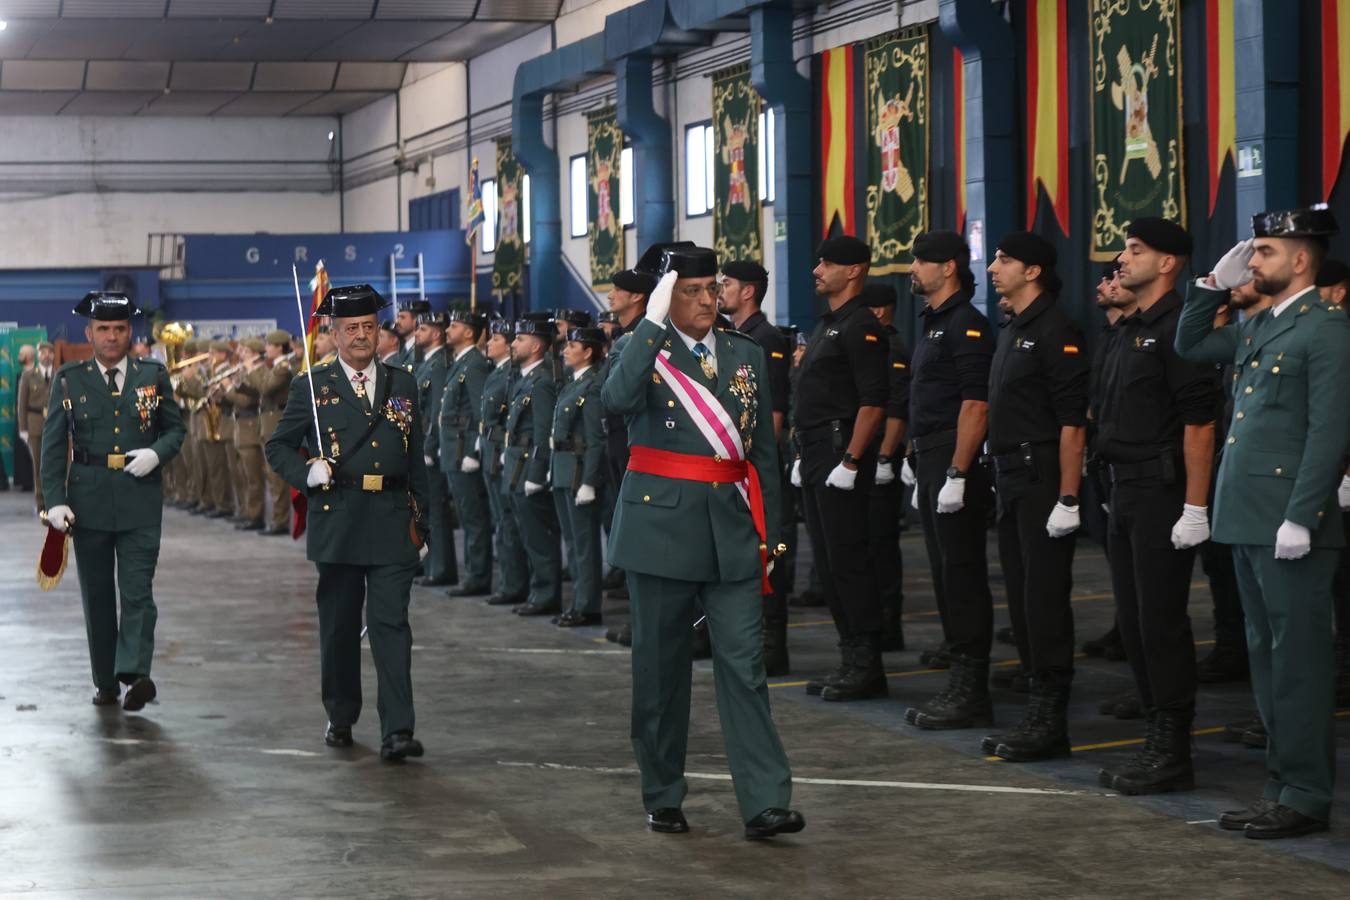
(416, 307)
(634, 282)
(941, 247)
(1332, 273)
(652, 259)
(593, 336)
(1110, 269)
(577, 318)
(1162, 235)
(746, 270)
(434, 319)
(475, 320)
(876, 295)
(607, 318)
(389, 327)
(540, 328)
(104, 306)
(689, 261)
(845, 250)
(352, 300)
(1028, 248)
(505, 327)
(1315, 221)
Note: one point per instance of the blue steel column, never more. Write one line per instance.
(541, 161)
(1266, 33)
(653, 183)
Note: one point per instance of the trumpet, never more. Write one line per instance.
(228, 373)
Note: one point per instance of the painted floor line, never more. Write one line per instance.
(1203, 822)
(567, 651)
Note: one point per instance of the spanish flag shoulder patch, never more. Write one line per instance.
(974, 332)
(1070, 348)
(897, 365)
(870, 337)
(774, 354)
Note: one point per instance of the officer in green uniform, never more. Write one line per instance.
(457, 433)
(1275, 501)
(512, 581)
(698, 509)
(440, 568)
(578, 446)
(529, 421)
(123, 426)
(367, 488)
(405, 323)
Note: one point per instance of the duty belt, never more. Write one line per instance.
(495, 434)
(935, 441)
(373, 483)
(1021, 458)
(100, 460)
(1163, 469)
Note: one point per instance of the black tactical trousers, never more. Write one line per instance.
(836, 522)
(883, 542)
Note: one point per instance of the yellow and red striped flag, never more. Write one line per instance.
(959, 135)
(1221, 105)
(836, 138)
(1335, 89)
(319, 286)
(1047, 109)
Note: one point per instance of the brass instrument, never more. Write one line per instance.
(190, 361)
(217, 379)
(173, 335)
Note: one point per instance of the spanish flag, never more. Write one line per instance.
(1335, 89)
(1221, 104)
(836, 138)
(1047, 109)
(318, 285)
(959, 135)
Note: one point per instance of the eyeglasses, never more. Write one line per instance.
(694, 291)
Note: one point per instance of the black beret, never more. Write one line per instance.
(434, 319)
(876, 295)
(845, 250)
(353, 300)
(577, 318)
(1316, 221)
(941, 247)
(505, 327)
(635, 282)
(475, 320)
(789, 332)
(1162, 235)
(1030, 249)
(689, 261)
(1332, 273)
(104, 306)
(1110, 269)
(652, 259)
(536, 327)
(746, 270)
(593, 336)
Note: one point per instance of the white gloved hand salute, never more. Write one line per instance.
(1231, 270)
(1292, 541)
(319, 473)
(1192, 529)
(952, 497)
(141, 463)
(585, 495)
(61, 517)
(658, 304)
(842, 478)
(1063, 521)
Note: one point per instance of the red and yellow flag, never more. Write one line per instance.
(1221, 105)
(836, 138)
(959, 135)
(319, 286)
(1335, 89)
(1047, 109)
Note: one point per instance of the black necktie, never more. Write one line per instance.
(112, 381)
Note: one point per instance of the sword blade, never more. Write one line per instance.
(309, 368)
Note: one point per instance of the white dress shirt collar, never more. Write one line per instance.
(707, 341)
(579, 372)
(351, 373)
(1276, 310)
(525, 370)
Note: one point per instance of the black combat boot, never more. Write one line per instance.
(1168, 768)
(775, 645)
(1225, 663)
(937, 658)
(1044, 733)
(964, 704)
(864, 678)
(1142, 759)
(816, 685)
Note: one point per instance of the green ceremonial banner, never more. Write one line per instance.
(510, 253)
(604, 151)
(11, 339)
(1136, 118)
(737, 213)
(896, 67)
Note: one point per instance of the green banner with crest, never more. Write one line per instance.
(737, 213)
(896, 68)
(510, 254)
(604, 153)
(1136, 118)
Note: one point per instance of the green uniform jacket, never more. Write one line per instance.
(578, 439)
(529, 421)
(492, 414)
(461, 406)
(1285, 450)
(350, 525)
(145, 415)
(689, 530)
(430, 377)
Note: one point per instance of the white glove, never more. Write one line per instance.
(885, 473)
(1063, 521)
(1192, 529)
(1343, 492)
(23, 436)
(501, 460)
(952, 497)
(430, 461)
(585, 495)
(319, 474)
(841, 477)
(1231, 271)
(141, 463)
(478, 444)
(531, 488)
(469, 465)
(658, 302)
(61, 517)
(907, 476)
(796, 476)
(914, 498)
(1292, 541)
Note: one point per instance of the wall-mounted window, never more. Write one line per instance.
(767, 168)
(487, 234)
(626, 176)
(698, 169)
(576, 174)
(525, 208)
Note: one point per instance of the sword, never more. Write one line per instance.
(309, 368)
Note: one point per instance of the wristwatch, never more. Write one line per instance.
(954, 472)
(1069, 500)
(884, 460)
(850, 459)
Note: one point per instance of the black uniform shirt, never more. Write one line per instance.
(845, 367)
(1038, 382)
(1149, 393)
(777, 357)
(897, 404)
(951, 364)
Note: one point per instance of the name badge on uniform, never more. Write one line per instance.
(832, 333)
(1146, 344)
(935, 334)
(1024, 344)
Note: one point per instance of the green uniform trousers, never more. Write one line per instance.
(581, 531)
(538, 523)
(384, 591)
(471, 503)
(511, 566)
(662, 672)
(118, 652)
(1289, 643)
(440, 561)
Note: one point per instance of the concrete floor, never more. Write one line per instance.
(223, 788)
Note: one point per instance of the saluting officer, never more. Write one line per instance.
(367, 487)
(457, 440)
(118, 418)
(1038, 398)
(1276, 502)
(512, 568)
(440, 568)
(276, 387)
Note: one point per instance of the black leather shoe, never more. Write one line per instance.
(574, 619)
(250, 525)
(1233, 731)
(535, 609)
(105, 698)
(428, 581)
(400, 745)
(338, 735)
(625, 636)
(504, 600)
(1282, 822)
(218, 514)
(667, 820)
(1237, 819)
(774, 822)
(141, 692)
(1255, 736)
(470, 590)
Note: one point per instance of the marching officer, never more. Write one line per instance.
(1276, 501)
(275, 388)
(512, 569)
(577, 441)
(525, 459)
(245, 399)
(457, 439)
(698, 510)
(35, 393)
(119, 420)
(367, 489)
(440, 568)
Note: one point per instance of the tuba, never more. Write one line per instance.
(173, 335)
